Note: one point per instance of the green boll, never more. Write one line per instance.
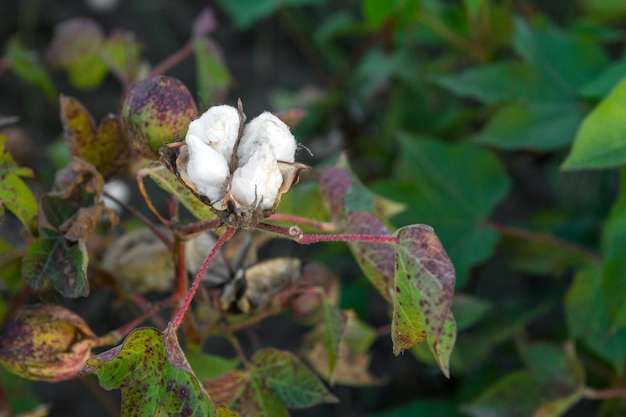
(156, 111)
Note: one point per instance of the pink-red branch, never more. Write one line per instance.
(178, 318)
(296, 234)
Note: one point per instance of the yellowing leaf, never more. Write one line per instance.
(14, 194)
(104, 147)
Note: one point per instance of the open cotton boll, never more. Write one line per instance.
(267, 128)
(217, 127)
(257, 181)
(206, 169)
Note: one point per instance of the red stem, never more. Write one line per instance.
(178, 318)
(172, 60)
(304, 239)
(605, 393)
(323, 226)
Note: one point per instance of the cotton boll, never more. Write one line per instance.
(267, 128)
(257, 181)
(206, 169)
(217, 127)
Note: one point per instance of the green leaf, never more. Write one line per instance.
(422, 408)
(104, 148)
(601, 139)
(334, 325)
(26, 65)
(62, 262)
(14, 194)
(75, 48)
(554, 366)
(614, 269)
(168, 182)
(206, 366)
(153, 374)
(602, 85)
(562, 59)
(452, 188)
(520, 394)
(245, 12)
(588, 318)
(468, 310)
(424, 288)
(213, 76)
(289, 379)
(502, 81)
(544, 127)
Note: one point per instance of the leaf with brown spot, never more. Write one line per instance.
(227, 388)
(62, 262)
(45, 343)
(424, 289)
(154, 376)
(104, 147)
(377, 260)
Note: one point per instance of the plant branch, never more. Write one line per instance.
(545, 239)
(323, 226)
(146, 198)
(195, 228)
(295, 233)
(228, 333)
(143, 219)
(172, 60)
(602, 394)
(178, 318)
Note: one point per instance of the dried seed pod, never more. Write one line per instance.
(142, 260)
(46, 343)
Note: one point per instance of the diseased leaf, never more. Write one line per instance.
(104, 148)
(151, 370)
(601, 139)
(375, 259)
(62, 262)
(14, 194)
(424, 289)
(351, 368)
(259, 400)
(168, 182)
(45, 343)
(289, 379)
(75, 48)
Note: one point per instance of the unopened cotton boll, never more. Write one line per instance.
(206, 169)
(217, 127)
(257, 182)
(267, 128)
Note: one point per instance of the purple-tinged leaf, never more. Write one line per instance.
(334, 325)
(424, 289)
